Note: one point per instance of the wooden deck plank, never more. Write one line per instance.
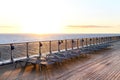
(102, 65)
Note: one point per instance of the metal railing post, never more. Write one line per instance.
(93, 41)
(99, 40)
(86, 42)
(59, 45)
(77, 44)
(11, 53)
(82, 41)
(50, 47)
(72, 42)
(66, 45)
(27, 50)
(40, 45)
(90, 41)
(96, 41)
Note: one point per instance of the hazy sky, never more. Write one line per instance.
(59, 16)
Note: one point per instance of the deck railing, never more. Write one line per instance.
(16, 51)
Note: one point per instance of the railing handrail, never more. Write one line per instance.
(50, 40)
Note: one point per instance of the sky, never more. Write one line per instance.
(59, 16)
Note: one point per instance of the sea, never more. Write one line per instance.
(18, 38)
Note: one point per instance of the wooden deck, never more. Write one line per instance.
(102, 65)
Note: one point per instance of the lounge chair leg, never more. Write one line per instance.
(40, 67)
(25, 64)
(15, 64)
(45, 68)
(21, 64)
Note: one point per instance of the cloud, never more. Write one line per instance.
(87, 26)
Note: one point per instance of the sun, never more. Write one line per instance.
(42, 29)
(43, 25)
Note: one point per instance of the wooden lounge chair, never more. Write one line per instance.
(27, 61)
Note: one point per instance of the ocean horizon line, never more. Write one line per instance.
(18, 38)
